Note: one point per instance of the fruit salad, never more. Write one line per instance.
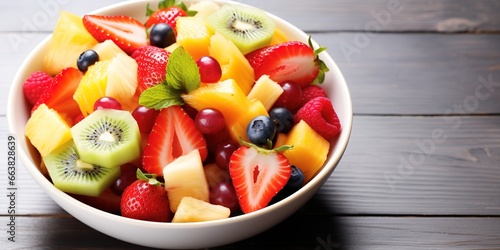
(202, 112)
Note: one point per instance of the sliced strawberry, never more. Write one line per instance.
(168, 11)
(290, 61)
(60, 95)
(151, 66)
(174, 134)
(37, 83)
(258, 175)
(128, 33)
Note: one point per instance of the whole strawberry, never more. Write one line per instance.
(145, 199)
(37, 83)
(168, 11)
(151, 66)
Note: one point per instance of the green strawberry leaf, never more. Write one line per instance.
(183, 73)
(160, 96)
(323, 68)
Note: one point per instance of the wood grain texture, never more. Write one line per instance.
(315, 16)
(393, 74)
(297, 232)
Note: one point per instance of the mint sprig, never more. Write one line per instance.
(183, 76)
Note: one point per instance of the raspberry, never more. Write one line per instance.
(311, 91)
(35, 85)
(321, 116)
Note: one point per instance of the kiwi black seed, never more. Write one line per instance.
(72, 175)
(108, 138)
(247, 27)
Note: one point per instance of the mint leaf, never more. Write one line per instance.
(182, 72)
(160, 96)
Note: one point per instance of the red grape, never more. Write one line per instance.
(128, 175)
(145, 118)
(107, 103)
(223, 194)
(209, 121)
(291, 98)
(223, 152)
(210, 70)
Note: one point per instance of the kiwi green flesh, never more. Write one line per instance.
(108, 138)
(247, 27)
(72, 175)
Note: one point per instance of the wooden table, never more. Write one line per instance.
(422, 170)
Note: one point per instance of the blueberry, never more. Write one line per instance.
(161, 35)
(261, 130)
(295, 182)
(86, 59)
(283, 119)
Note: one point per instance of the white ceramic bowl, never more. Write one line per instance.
(170, 235)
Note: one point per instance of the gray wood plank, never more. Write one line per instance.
(393, 165)
(419, 73)
(393, 74)
(315, 16)
(297, 232)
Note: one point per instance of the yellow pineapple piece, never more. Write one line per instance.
(278, 37)
(238, 129)
(266, 91)
(122, 81)
(193, 35)
(92, 86)
(185, 176)
(47, 130)
(226, 96)
(233, 63)
(107, 50)
(195, 210)
(68, 41)
(309, 151)
(204, 8)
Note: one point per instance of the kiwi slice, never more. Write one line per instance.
(108, 138)
(72, 175)
(247, 27)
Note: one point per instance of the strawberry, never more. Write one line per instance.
(321, 116)
(151, 66)
(37, 83)
(258, 175)
(168, 11)
(60, 94)
(289, 61)
(145, 199)
(127, 33)
(174, 134)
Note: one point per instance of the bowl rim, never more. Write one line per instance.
(321, 176)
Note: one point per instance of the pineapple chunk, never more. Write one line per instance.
(238, 129)
(204, 8)
(233, 63)
(92, 86)
(278, 37)
(309, 151)
(266, 91)
(68, 41)
(229, 99)
(122, 81)
(47, 130)
(226, 96)
(193, 35)
(194, 210)
(185, 177)
(107, 50)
